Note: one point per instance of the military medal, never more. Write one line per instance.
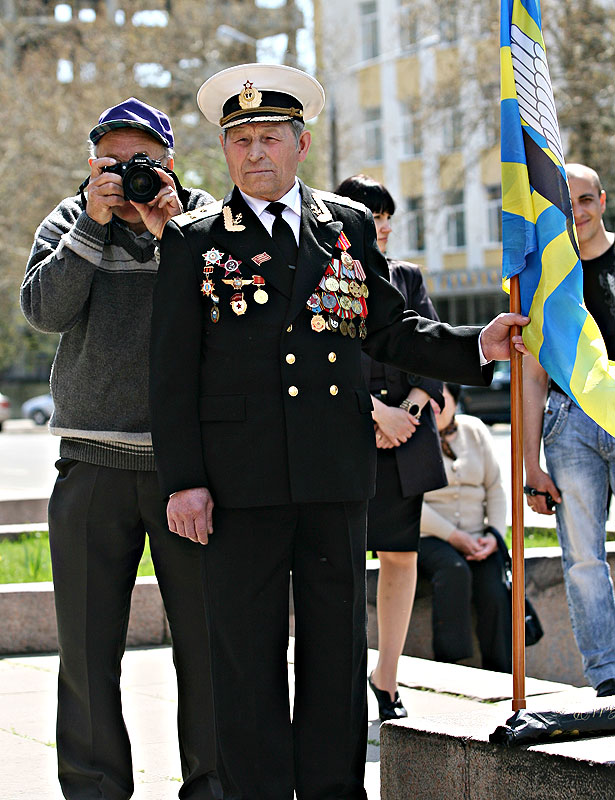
(318, 323)
(232, 265)
(313, 302)
(212, 257)
(341, 293)
(355, 289)
(207, 286)
(329, 301)
(238, 304)
(346, 259)
(260, 295)
(237, 282)
(214, 314)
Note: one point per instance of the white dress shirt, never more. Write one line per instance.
(291, 214)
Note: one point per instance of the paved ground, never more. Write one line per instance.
(27, 716)
(27, 727)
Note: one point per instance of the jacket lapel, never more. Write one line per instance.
(318, 236)
(241, 235)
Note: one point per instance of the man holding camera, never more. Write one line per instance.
(90, 278)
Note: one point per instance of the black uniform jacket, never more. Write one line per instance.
(258, 406)
(419, 460)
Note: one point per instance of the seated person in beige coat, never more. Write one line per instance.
(458, 553)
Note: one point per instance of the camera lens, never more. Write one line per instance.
(141, 183)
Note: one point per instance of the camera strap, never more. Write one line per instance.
(121, 237)
(183, 194)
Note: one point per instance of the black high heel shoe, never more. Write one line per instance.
(387, 708)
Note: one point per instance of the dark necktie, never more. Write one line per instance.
(283, 235)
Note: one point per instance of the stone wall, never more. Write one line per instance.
(27, 619)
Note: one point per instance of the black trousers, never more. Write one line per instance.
(98, 518)
(248, 563)
(456, 584)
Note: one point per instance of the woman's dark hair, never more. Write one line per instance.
(455, 390)
(369, 192)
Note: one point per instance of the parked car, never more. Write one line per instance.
(38, 408)
(5, 409)
(490, 403)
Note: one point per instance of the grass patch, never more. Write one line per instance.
(27, 559)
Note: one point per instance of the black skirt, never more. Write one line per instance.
(393, 521)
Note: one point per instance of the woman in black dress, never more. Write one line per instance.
(409, 462)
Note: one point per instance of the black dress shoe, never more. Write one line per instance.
(387, 708)
(606, 688)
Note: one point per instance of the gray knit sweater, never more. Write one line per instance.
(99, 298)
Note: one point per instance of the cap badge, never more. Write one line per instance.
(249, 97)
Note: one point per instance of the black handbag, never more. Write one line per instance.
(533, 628)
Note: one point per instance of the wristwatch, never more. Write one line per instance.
(411, 408)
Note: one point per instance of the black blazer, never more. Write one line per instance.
(259, 407)
(419, 460)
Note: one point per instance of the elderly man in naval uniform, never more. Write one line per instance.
(264, 438)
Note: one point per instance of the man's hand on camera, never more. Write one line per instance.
(162, 208)
(104, 191)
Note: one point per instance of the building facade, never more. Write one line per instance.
(413, 101)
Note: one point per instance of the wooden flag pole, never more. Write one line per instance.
(518, 566)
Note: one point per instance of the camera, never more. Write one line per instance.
(140, 180)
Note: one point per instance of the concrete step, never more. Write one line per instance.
(23, 509)
(449, 755)
(15, 530)
(443, 749)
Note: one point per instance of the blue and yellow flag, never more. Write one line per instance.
(538, 234)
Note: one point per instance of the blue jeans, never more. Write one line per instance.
(580, 459)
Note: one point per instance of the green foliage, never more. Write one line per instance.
(27, 559)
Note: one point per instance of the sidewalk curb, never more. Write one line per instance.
(28, 622)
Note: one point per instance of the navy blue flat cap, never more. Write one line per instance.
(132, 113)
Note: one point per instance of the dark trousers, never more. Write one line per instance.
(456, 584)
(98, 518)
(248, 562)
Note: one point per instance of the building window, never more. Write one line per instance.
(408, 25)
(494, 213)
(411, 131)
(452, 129)
(447, 21)
(415, 224)
(369, 30)
(373, 134)
(455, 219)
